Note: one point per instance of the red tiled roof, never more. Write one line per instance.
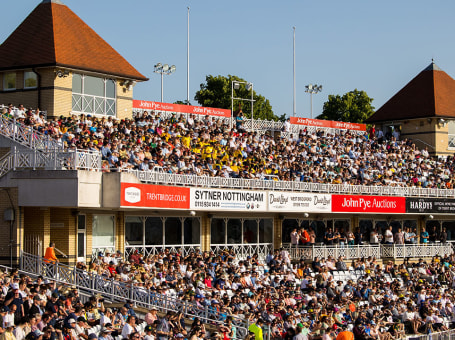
(53, 35)
(430, 94)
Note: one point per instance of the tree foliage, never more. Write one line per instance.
(216, 92)
(353, 107)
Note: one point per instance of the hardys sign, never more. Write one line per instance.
(215, 199)
(430, 205)
(368, 204)
(299, 202)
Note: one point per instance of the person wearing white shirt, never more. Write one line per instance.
(129, 327)
(388, 235)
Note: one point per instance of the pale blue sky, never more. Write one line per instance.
(376, 46)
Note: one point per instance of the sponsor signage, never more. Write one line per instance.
(178, 108)
(299, 202)
(217, 199)
(327, 124)
(154, 196)
(368, 204)
(430, 205)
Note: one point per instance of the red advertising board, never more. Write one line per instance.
(154, 196)
(197, 110)
(369, 204)
(327, 124)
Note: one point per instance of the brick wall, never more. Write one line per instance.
(63, 232)
(9, 243)
(37, 222)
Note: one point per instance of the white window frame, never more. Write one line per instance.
(25, 79)
(87, 100)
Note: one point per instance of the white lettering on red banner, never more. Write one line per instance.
(327, 124)
(179, 108)
(368, 204)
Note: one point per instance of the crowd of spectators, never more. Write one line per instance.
(385, 301)
(205, 145)
(39, 309)
(338, 237)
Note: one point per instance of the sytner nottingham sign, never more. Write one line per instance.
(430, 205)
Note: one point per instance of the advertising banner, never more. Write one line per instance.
(327, 124)
(223, 200)
(368, 204)
(179, 108)
(154, 196)
(299, 202)
(430, 205)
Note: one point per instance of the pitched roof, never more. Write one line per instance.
(53, 35)
(430, 94)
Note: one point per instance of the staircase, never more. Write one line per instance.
(26, 135)
(116, 291)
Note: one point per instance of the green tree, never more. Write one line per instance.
(353, 107)
(216, 92)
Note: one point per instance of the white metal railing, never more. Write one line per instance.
(164, 178)
(49, 160)
(147, 250)
(120, 291)
(27, 135)
(242, 251)
(416, 250)
(377, 251)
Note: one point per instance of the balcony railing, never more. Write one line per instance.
(242, 251)
(395, 251)
(159, 177)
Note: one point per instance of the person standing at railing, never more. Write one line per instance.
(424, 236)
(388, 235)
(294, 237)
(49, 255)
(443, 236)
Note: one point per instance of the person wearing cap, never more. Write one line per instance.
(106, 317)
(105, 333)
(149, 333)
(36, 306)
(15, 298)
(151, 316)
(81, 328)
(299, 333)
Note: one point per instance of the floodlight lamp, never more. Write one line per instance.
(236, 85)
(249, 86)
(165, 67)
(172, 69)
(320, 87)
(158, 65)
